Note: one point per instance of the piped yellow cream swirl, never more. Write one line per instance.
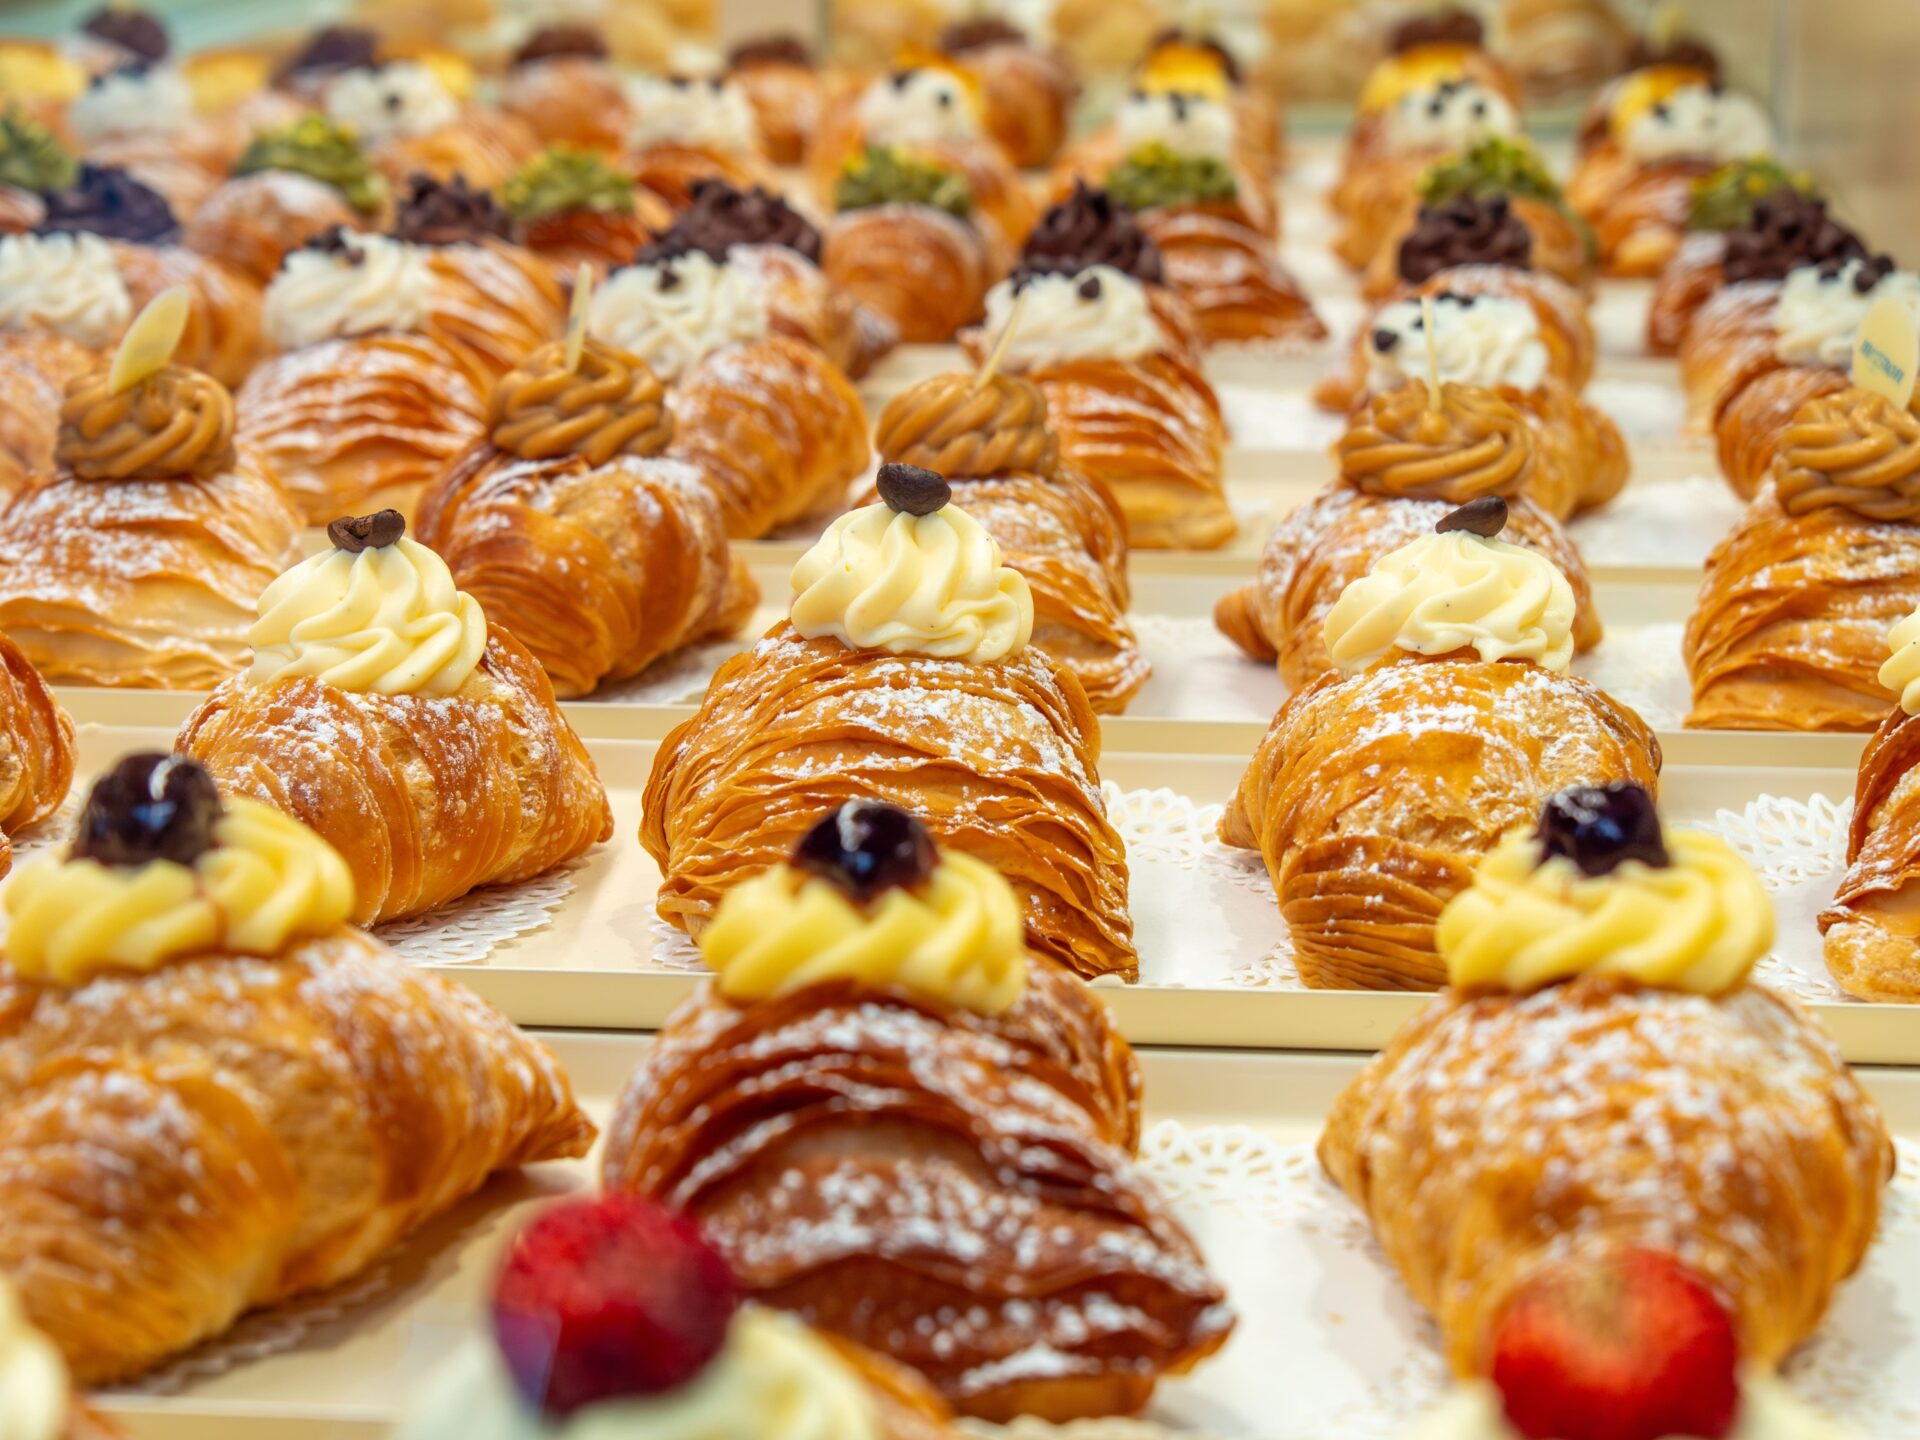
(1901, 673)
(1697, 924)
(934, 585)
(386, 621)
(267, 881)
(958, 938)
(34, 1384)
(1455, 591)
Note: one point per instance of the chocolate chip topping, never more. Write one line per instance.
(1485, 517)
(1872, 270)
(108, 202)
(1466, 230)
(329, 51)
(354, 533)
(723, 216)
(911, 490)
(449, 213)
(334, 240)
(1600, 827)
(1174, 35)
(865, 847)
(979, 33)
(554, 42)
(1787, 230)
(1683, 50)
(1088, 229)
(148, 807)
(770, 50)
(1453, 26)
(138, 32)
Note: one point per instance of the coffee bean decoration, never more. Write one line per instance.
(1601, 827)
(867, 846)
(911, 490)
(148, 807)
(1485, 517)
(354, 533)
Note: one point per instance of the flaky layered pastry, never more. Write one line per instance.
(36, 748)
(252, 222)
(1231, 279)
(1026, 92)
(788, 93)
(921, 268)
(223, 335)
(35, 367)
(1871, 940)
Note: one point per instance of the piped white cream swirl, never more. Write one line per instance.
(1701, 123)
(1060, 321)
(400, 101)
(1487, 341)
(704, 114)
(912, 585)
(1901, 673)
(1442, 593)
(676, 314)
(1193, 126)
(385, 284)
(927, 106)
(35, 1391)
(1768, 1411)
(1818, 315)
(65, 282)
(1452, 116)
(387, 621)
(133, 101)
(773, 1380)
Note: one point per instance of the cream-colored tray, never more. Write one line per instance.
(584, 948)
(1229, 1142)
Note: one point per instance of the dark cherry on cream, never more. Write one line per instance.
(1601, 827)
(865, 847)
(148, 807)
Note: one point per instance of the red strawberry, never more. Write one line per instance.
(610, 1297)
(1630, 1347)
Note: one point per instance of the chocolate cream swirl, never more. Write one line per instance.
(1475, 444)
(608, 406)
(1466, 230)
(173, 424)
(1852, 448)
(1086, 229)
(1788, 230)
(946, 424)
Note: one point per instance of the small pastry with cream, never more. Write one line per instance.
(413, 123)
(683, 129)
(1449, 714)
(880, 1063)
(384, 711)
(250, 1099)
(905, 673)
(1547, 1152)
(562, 84)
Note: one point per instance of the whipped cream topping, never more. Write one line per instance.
(66, 282)
(1901, 673)
(1768, 1411)
(1098, 314)
(376, 283)
(1488, 341)
(1819, 314)
(386, 621)
(33, 1377)
(675, 314)
(918, 107)
(400, 101)
(1455, 591)
(1452, 115)
(1191, 126)
(132, 101)
(773, 1380)
(703, 114)
(935, 585)
(1698, 122)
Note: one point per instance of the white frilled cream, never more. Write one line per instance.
(1444, 593)
(1488, 341)
(773, 1380)
(1191, 126)
(676, 313)
(35, 1391)
(1099, 314)
(932, 585)
(267, 881)
(1768, 1411)
(1818, 315)
(1698, 122)
(401, 101)
(1451, 116)
(926, 106)
(1901, 673)
(698, 113)
(64, 282)
(959, 938)
(1697, 924)
(154, 100)
(379, 283)
(386, 621)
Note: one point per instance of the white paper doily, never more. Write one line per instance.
(1799, 850)
(468, 930)
(56, 829)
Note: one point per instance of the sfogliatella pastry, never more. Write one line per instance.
(684, 129)
(562, 85)
(1789, 631)
(903, 674)
(611, 1316)
(906, 243)
(1026, 92)
(141, 117)
(1129, 407)
(776, 428)
(1058, 527)
(367, 400)
(384, 711)
(1562, 48)
(412, 124)
(1405, 463)
(289, 187)
(1553, 1140)
(219, 1095)
(62, 303)
(896, 1122)
(139, 564)
(41, 1403)
(781, 80)
(572, 207)
(568, 521)
(1449, 718)
(36, 748)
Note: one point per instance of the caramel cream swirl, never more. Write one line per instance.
(1474, 444)
(267, 881)
(175, 422)
(963, 430)
(610, 404)
(1851, 448)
